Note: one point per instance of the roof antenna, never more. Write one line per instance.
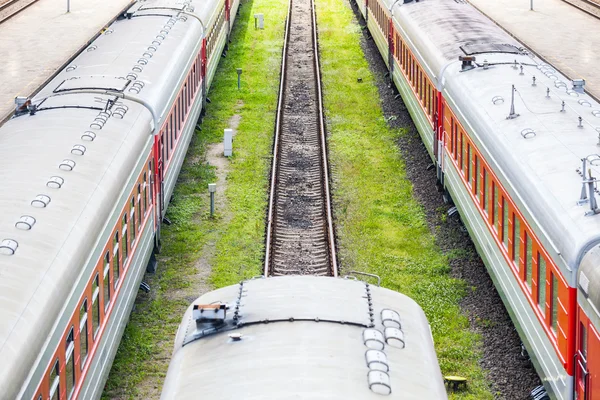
(512, 114)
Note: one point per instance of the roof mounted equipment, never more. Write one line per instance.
(579, 85)
(467, 62)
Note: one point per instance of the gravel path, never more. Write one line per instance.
(512, 376)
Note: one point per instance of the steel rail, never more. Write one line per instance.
(321, 130)
(276, 145)
(595, 5)
(11, 3)
(323, 134)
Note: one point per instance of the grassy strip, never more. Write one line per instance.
(381, 228)
(143, 357)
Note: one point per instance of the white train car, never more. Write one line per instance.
(304, 337)
(515, 145)
(88, 167)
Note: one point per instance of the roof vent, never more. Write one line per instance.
(88, 136)
(377, 360)
(390, 318)
(467, 62)
(394, 337)
(40, 201)
(373, 339)
(78, 149)
(8, 247)
(67, 165)
(379, 382)
(579, 85)
(25, 223)
(55, 182)
(528, 133)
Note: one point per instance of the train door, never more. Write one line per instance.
(159, 150)
(587, 360)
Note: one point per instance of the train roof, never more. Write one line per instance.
(66, 165)
(538, 154)
(305, 337)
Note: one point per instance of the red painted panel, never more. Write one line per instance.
(593, 364)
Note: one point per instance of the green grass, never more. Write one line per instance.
(380, 227)
(237, 230)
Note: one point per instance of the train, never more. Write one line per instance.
(514, 143)
(305, 337)
(89, 164)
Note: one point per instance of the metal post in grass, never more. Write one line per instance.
(212, 188)
(239, 72)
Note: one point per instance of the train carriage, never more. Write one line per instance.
(304, 337)
(514, 143)
(89, 167)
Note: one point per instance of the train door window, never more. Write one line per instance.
(163, 146)
(554, 302)
(116, 259)
(106, 281)
(516, 232)
(485, 191)
(583, 341)
(541, 287)
(528, 259)
(132, 219)
(55, 382)
(83, 333)
(504, 222)
(95, 306)
(70, 363)
(124, 241)
(455, 141)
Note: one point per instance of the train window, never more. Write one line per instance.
(476, 176)
(174, 130)
(106, 281)
(124, 240)
(504, 222)
(461, 152)
(139, 206)
(468, 164)
(528, 260)
(151, 196)
(70, 363)
(516, 232)
(83, 333)
(95, 305)
(55, 382)
(485, 191)
(132, 219)
(541, 262)
(494, 210)
(145, 196)
(554, 302)
(116, 265)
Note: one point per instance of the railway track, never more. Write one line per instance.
(11, 8)
(591, 7)
(300, 238)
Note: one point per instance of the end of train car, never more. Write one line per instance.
(304, 337)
